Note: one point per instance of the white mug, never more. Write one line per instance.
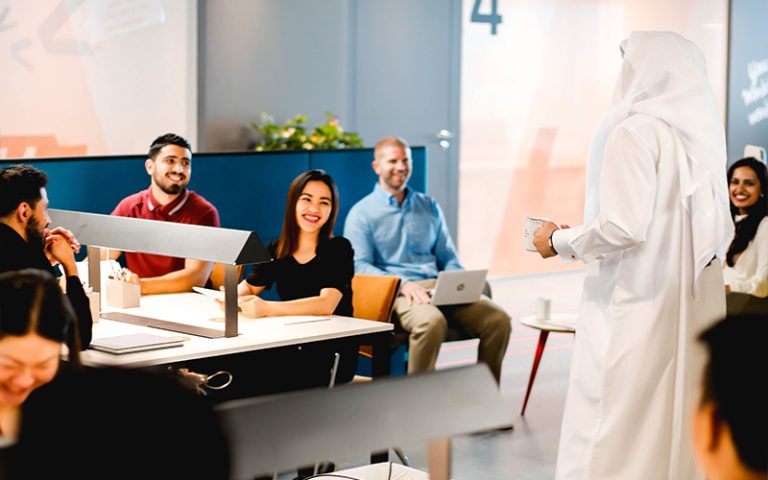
(542, 307)
(531, 224)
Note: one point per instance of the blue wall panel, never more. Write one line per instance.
(249, 191)
(94, 184)
(248, 188)
(353, 176)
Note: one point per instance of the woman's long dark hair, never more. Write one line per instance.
(747, 227)
(289, 238)
(31, 302)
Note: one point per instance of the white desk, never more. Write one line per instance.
(198, 310)
(262, 334)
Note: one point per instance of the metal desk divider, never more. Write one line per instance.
(211, 244)
(275, 433)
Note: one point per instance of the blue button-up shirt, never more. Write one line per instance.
(410, 241)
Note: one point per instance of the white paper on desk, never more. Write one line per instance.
(210, 293)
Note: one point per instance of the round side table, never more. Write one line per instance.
(558, 322)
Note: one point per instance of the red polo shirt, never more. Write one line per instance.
(188, 207)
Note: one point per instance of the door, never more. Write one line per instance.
(406, 74)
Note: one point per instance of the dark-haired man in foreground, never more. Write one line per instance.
(729, 425)
(169, 166)
(27, 242)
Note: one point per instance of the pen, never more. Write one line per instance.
(308, 321)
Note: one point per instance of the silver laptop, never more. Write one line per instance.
(458, 286)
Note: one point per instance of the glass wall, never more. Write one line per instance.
(95, 76)
(531, 98)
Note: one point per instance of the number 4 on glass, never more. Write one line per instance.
(493, 18)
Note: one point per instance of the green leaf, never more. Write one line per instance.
(297, 120)
(327, 130)
(267, 119)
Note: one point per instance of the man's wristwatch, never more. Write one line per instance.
(551, 245)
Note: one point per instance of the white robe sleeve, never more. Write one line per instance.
(757, 284)
(627, 191)
(561, 241)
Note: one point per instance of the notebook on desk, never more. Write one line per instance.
(137, 342)
(455, 287)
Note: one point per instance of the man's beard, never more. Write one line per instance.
(391, 184)
(34, 233)
(170, 189)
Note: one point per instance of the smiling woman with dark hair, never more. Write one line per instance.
(35, 319)
(132, 423)
(136, 424)
(746, 266)
(312, 269)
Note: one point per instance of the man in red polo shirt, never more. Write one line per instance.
(169, 166)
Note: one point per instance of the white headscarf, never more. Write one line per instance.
(663, 75)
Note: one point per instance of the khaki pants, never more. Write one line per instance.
(427, 326)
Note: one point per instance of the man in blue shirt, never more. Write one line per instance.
(397, 231)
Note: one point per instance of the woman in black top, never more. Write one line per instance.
(312, 269)
(313, 273)
(35, 319)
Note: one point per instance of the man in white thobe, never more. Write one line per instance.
(656, 217)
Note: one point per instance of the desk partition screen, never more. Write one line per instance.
(223, 245)
(279, 432)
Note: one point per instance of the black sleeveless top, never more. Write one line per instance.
(332, 267)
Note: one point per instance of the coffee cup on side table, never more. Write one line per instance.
(542, 308)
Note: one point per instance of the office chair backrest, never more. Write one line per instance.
(373, 296)
(217, 275)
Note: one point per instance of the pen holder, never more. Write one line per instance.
(122, 294)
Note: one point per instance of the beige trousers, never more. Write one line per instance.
(428, 324)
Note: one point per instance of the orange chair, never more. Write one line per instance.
(372, 299)
(373, 296)
(217, 275)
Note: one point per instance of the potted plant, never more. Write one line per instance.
(294, 135)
